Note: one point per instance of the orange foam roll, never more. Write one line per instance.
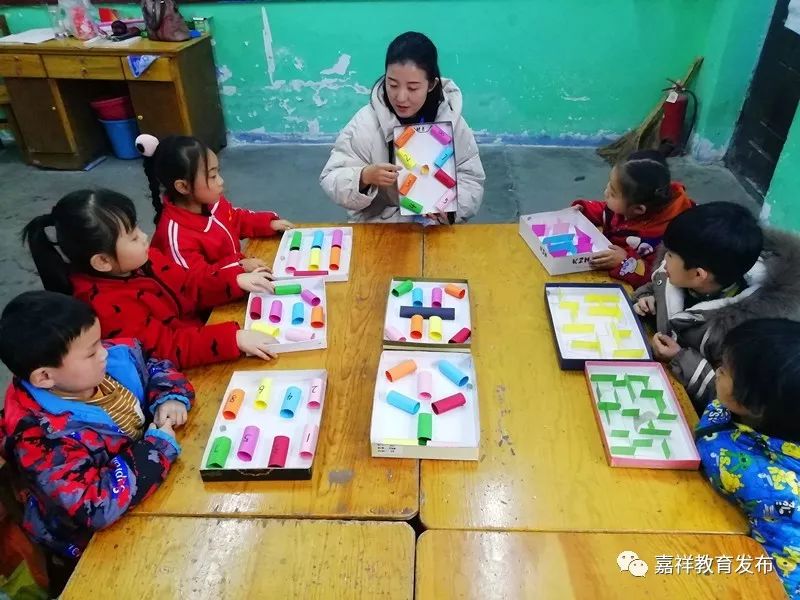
(454, 291)
(416, 327)
(336, 257)
(403, 138)
(400, 370)
(317, 317)
(407, 184)
(233, 404)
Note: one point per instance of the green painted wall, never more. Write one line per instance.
(572, 71)
(782, 203)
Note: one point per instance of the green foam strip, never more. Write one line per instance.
(649, 431)
(609, 405)
(666, 417)
(624, 450)
(643, 379)
(620, 433)
(602, 377)
(620, 383)
(630, 412)
(652, 394)
(643, 443)
(665, 448)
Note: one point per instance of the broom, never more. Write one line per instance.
(645, 136)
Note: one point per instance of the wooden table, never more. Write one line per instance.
(542, 465)
(172, 557)
(462, 564)
(347, 482)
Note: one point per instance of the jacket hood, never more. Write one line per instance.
(449, 109)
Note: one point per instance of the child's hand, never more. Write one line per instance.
(578, 207)
(665, 348)
(255, 343)
(172, 412)
(381, 175)
(166, 428)
(646, 305)
(608, 259)
(440, 218)
(251, 264)
(259, 280)
(282, 225)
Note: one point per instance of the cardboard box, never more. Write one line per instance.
(291, 263)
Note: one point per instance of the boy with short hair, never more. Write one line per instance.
(720, 269)
(75, 422)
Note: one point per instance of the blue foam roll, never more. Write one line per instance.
(568, 246)
(319, 237)
(290, 402)
(402, 402)
(444, 156)
(298, 313)
(452, 373)
(416, 296)
(559, 239)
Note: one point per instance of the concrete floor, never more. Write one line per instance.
(284, 178)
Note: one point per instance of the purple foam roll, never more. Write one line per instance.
(440, 135)
(436, 297)
(337, 238)
(247, 447)
(310, 297)
(276, 311)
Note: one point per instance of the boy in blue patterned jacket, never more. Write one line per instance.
(87, 424)
(749, 439)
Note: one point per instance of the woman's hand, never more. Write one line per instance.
(381, 175)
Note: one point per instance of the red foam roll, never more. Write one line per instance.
(444, 178)
(461, 337)
(280, 449)
(255, 308)
(449, 403)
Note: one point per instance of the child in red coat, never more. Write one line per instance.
(102, 257)
(640, 201)
(196, 226)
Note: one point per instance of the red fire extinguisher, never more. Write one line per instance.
(674, 133)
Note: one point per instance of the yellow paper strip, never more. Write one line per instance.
(577, 328)
(264, 328)
(314, 259)
(570, 305)
(605, 311)
(585, 345)
(601, 299)
(629, 353)
(399, 442)
(620, 334)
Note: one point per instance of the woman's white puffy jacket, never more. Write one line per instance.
(364, 141)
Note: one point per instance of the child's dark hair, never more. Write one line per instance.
(417, 48)
(763, 358)
(37, 328)
(645, 179)
(86, 222)
(165, 162)
(723, 238)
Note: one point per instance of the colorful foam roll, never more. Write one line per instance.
(293, 261)
(402, 288)
(317, 317)
(318, 239)
(409, 204)
(452, 372)
(294, 334)
(426, 312)
(453, 290)
(255, 308)
(406, 158)
(335, 259)
(218, 454)
(444, 156)
(297, 239)
(314, 259)
(435, 328)
(416, 327)
(263, 394)
(315, 395)
(276, 311)
(247, 447)
(436, 297)
(400, 370)
(403, 138)
(444, 178)
(440, 135)
(424, 385)
(444, 202)
(309, 441)
(270, 330)
(393, 334)
(461, 337)
(424, 428)
(290, 401)
(416, 296)
(336, 241)
(446, 404)
(310, 297)
(402, 402)
(288, 289)
(279, 452)
(407, 184)
(298, 313)
(233, 404)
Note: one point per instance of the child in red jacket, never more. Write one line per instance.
(196, 226)
(102, 257)
(640, 201)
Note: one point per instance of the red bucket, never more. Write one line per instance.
(113, 109)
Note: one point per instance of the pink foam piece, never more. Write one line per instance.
(558, 253)
(585, 247)
(560, 228)
(539, 230)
